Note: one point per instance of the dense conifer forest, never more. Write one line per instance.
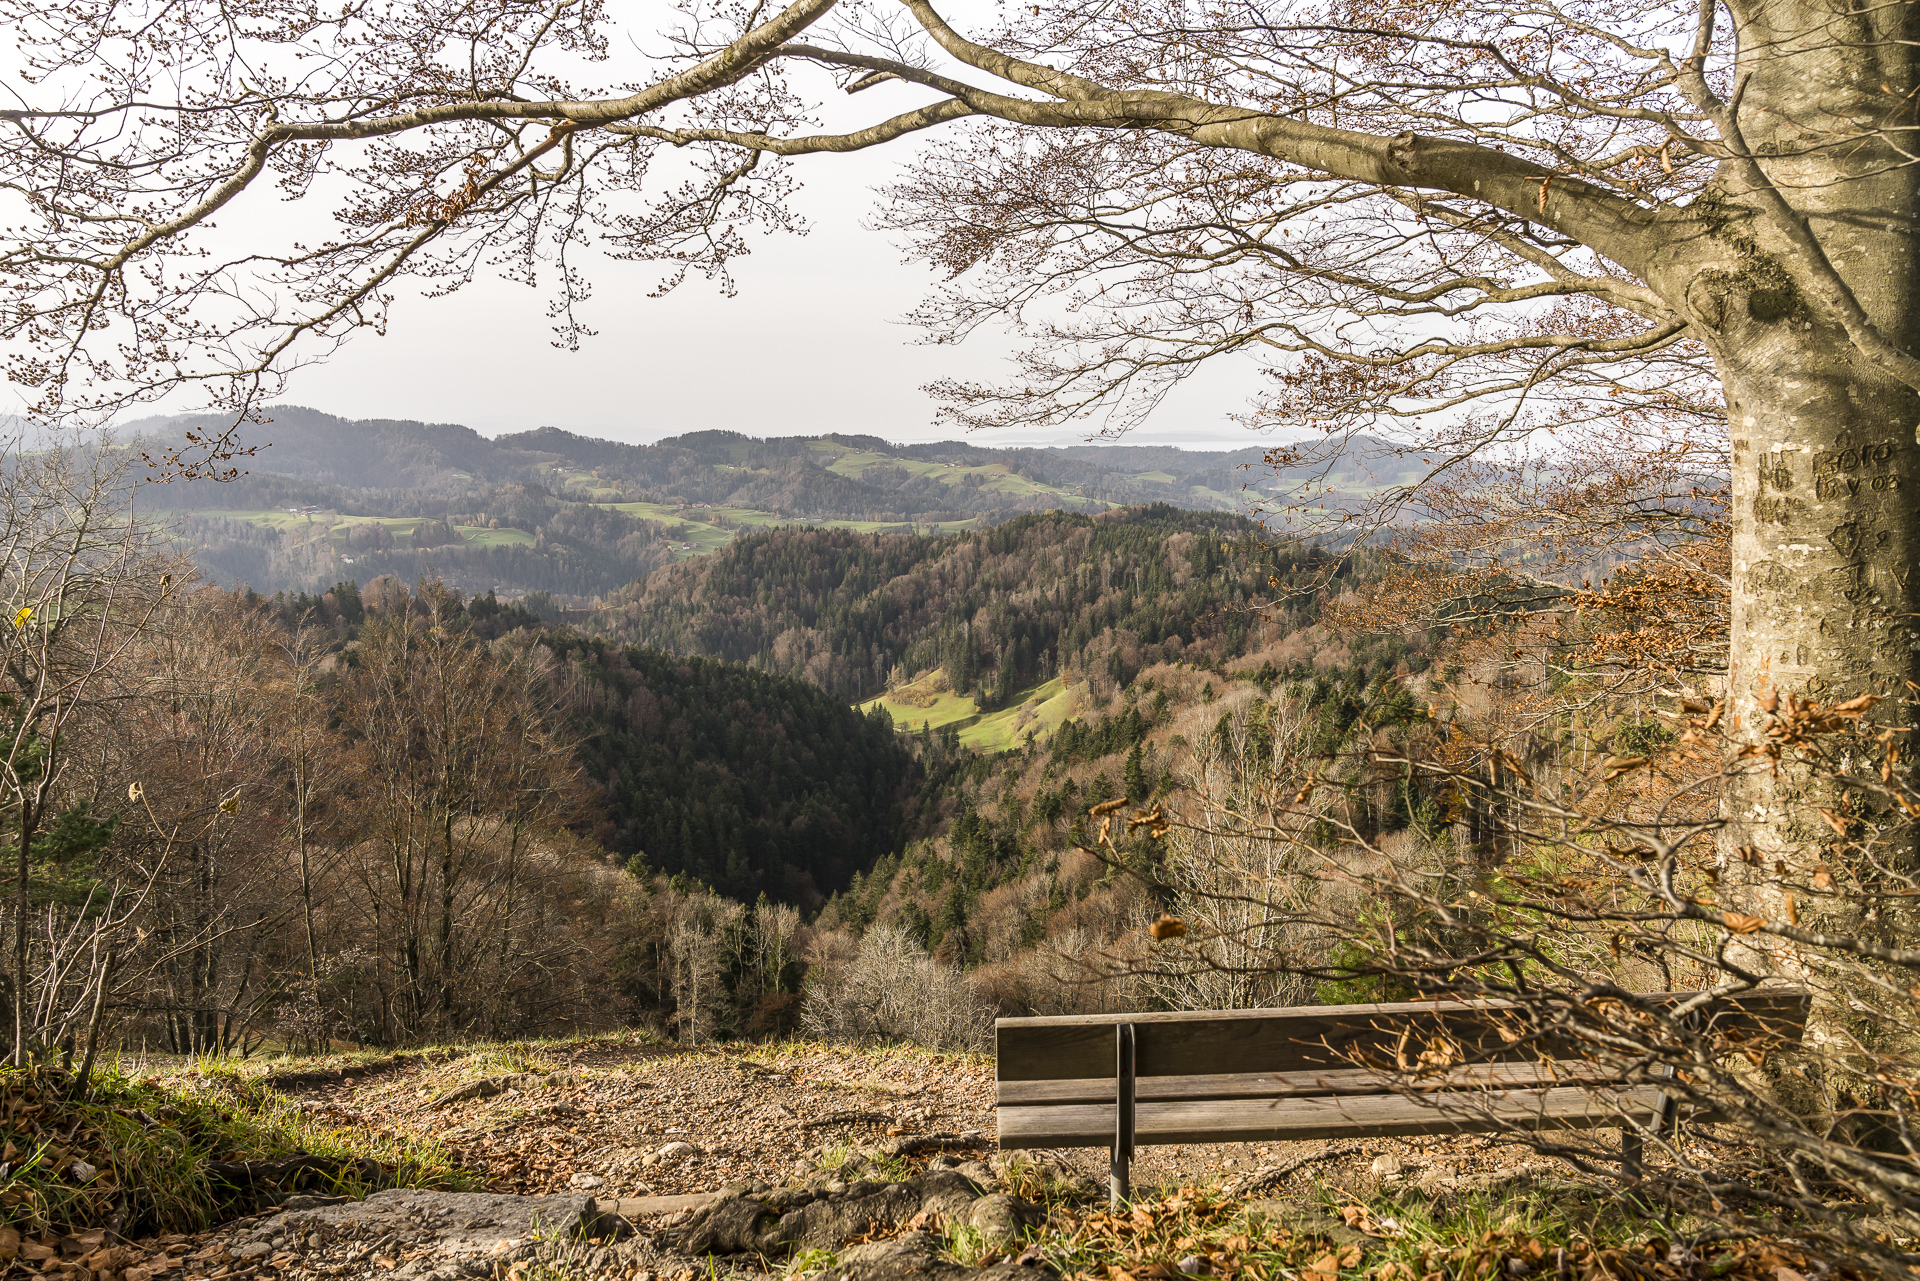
(999, 609)
(747, 781)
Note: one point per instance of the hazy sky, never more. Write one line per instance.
(814, 340)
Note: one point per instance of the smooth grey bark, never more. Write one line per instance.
(1826, 466)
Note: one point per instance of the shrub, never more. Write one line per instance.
(891, 990)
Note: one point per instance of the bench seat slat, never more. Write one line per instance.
(1325, 1117)
(1304, 1038)
(1270, 1085)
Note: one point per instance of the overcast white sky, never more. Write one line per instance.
(818, 322)
(814, 341)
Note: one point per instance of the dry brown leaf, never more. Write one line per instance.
(1618, 765)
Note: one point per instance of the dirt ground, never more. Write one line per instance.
(620, 1119)
(772, 1112)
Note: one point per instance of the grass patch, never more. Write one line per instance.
(480, 536)
(835, 1156)
(809, 1261)
(847, 1160)
(926, 701)
(969, 1247)
(1047, 1182)
(1036, 712)
(495, 1060)
(706, 537)
(146, 1150)
(334, 526)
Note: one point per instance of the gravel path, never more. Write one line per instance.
(766, 1113)
(619, 1120)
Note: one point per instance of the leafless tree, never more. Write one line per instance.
(774, 928)
(459, 755)
(1478, 229)
(308, 755)
(80, 581)
(886, 988)
(195, 736)
(1242, 873)
(701, 930)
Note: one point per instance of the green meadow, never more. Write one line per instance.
(926, 701)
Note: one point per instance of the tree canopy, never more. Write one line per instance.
(1485, 230)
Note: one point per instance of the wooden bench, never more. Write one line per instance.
(1321, 1072)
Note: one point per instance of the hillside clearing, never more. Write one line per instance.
(926, 702)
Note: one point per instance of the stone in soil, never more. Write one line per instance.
(778, 1220)
(917, 1255)
(456, 1228)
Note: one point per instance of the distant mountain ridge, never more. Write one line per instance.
(377, 453)
(839, 476)
(327, 498)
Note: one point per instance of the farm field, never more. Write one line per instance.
(994, 477)
(336, 526)
(707, 536)
(1037, 712)
(508, 537)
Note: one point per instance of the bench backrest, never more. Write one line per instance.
(1302, 1038)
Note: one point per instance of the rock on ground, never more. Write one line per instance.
(917, 1255)
(447, 1236)
(827, 1212)
(453, 1233)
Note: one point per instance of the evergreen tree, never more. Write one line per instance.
(1137, 789)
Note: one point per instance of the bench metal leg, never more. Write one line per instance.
(1666, 1121)
(1120, 1158)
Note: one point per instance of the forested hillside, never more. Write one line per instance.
(747, 781)
(1009, 883)
(1000, 610)
(518, 538)
(322, 499)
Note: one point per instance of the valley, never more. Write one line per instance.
(674, 900)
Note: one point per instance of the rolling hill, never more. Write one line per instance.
(328, 499)
(1000, 612)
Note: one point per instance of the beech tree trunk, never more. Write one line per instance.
(1825, 460)
(1826, 467)
(1826, 474)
